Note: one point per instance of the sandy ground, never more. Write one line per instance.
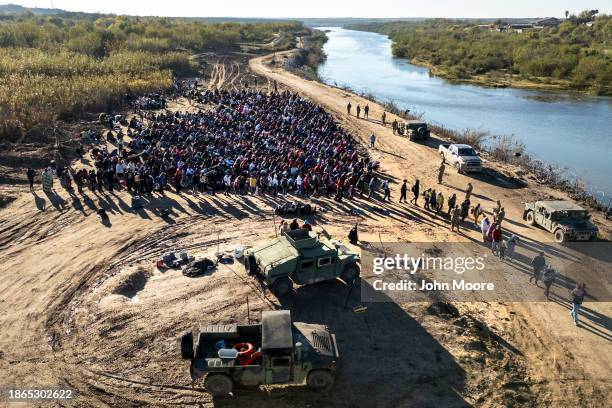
(82, 304)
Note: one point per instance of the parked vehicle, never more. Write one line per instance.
(301, 257)
(276, 351)
(461, 156)
(414, 129)
(567, 221)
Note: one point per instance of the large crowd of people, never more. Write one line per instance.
(245, 142)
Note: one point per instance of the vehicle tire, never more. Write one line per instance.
(320, 380)
(559, 236)
(350, 273)
(458, 167)
(187, 346)
(530, 218)
(282, 287)
(250, 264)
(219, 385)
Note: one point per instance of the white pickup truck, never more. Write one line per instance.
(461, 156)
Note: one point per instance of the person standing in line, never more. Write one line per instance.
(439, 202)
(403, 191)
(366, 111)
(476, 213)
(348, 108)
(358, 111)
(384, 118)
(47, 180)
(577, 296)
(372, 140)
(394, 126)
(451, 203)
(455, 214)
(548, 278)
(465, 209)
(537, 264)
(511, 245)
(31, 173)
(415, 193)
(484, 228)
(497, 238)
(387, 190)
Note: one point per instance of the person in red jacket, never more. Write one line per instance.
(497, 237)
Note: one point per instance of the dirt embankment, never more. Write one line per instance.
(83, 305)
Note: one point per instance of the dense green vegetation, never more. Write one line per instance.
(572, 55)
(62, 66)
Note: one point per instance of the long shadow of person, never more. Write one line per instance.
(40, 202)
(58, 202)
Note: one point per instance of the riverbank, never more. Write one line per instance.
(571, 56)
(545, 131)
(499, 79)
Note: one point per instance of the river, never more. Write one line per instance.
(562, 128)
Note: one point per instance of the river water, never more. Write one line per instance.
(573, 131)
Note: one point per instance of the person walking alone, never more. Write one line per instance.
(372, 140)
(537, 264)
(384, 118)
(577, 296)
(366, 111)
(358, 111)
(348, 108)
(441, 172)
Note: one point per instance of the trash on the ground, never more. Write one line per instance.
(170, 260)
(360, 309)
(226, 259)
(239, 251)
(198, 267)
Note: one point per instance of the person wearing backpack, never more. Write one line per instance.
(577, 296)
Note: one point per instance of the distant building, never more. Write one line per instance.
(518, 28)
(490, 27)
(547, 22)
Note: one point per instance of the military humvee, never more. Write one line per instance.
(566, 220)
(300, 256)
(414, 129)
(281, 352)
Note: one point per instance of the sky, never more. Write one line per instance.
(326, 8)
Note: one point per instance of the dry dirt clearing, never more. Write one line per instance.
(82, 304)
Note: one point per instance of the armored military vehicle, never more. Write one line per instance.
(414, 129)
(276, 351)
(301, 257)
(567, 221)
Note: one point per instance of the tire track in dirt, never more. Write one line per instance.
(213, 77)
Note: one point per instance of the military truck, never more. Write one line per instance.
(276, 351)
(414, 129)
(301, 257)
(567, 221)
